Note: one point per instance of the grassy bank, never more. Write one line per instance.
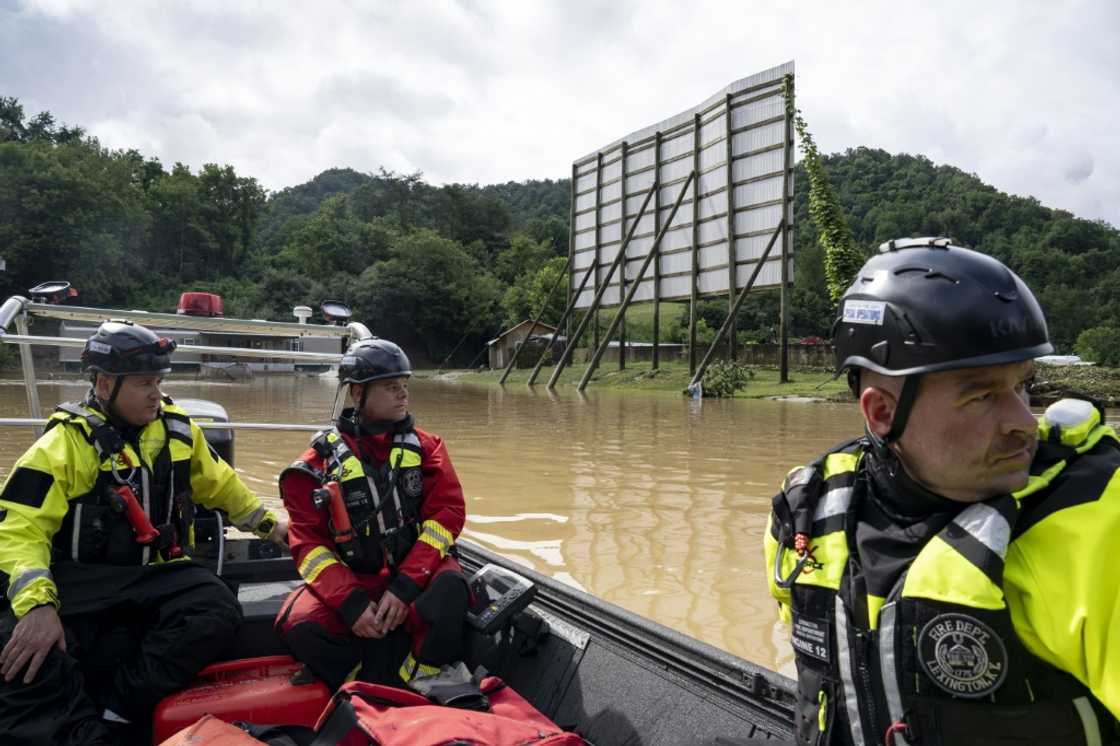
(1053, 381)
(1101, 383)
(672, 376)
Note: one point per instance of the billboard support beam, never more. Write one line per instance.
(787, 167)
(657, 264)
(729, 322)
(598, 235)
(571, 236)
(536, 321)
(593, 310)
(732, 258)
(622, 274)
(694, 270)
(591, 366)
(566, 316)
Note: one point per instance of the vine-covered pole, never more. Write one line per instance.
(842, 259)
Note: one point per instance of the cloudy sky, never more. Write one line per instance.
(1024, 94)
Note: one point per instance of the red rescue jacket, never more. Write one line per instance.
(313, 549)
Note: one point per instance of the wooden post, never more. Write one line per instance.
(563, 318)
(729, 322)
(732, 257)
(657, 262)
(598, 227)
(593, 309)
(787, 173)
(693, 315)
(536, 320)
(633, 288)
(571, 239)
(622, 274)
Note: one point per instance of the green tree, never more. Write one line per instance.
(333, 241)
(526, 296)
(523, 255)
(1101, 344)
(429, 291)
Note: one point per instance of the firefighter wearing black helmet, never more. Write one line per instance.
(941, 573)
(105, 613)
(375, 508)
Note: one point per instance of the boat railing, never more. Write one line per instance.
(41, 422)
(18, 309)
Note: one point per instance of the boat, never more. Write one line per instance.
(606, 673)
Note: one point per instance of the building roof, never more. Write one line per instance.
(541, 326)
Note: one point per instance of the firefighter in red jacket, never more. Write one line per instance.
(375, 507)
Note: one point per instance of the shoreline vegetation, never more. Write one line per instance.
(1052, 381)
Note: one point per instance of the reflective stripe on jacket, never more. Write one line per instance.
(59, 475)
(440, 516)
(939, 658)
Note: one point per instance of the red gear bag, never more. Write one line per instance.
(387, 716)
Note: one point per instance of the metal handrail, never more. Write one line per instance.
(39, 422)
(184, 321)
(311, 357)
(16, 309)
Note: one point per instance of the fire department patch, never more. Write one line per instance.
(962, 655)
(413, 482)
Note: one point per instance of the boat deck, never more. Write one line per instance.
(610, 675)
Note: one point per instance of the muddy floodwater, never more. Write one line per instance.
(649, 500)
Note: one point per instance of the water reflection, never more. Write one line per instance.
(652, 501)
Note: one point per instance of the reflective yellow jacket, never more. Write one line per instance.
(1060, 576)
(64, 465)
(1056, 583)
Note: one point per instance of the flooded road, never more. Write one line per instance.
(649, 500)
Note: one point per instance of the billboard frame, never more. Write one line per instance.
(752, 102)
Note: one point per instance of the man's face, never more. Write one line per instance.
(971, 434)
(386, 399)
(138, 400)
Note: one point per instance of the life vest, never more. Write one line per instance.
(94, 531)
(935, 662)
(383, 502)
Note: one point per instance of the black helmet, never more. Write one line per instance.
(923, 305)
(373, 359)
(122, 348)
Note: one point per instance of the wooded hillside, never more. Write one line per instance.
(438, 266)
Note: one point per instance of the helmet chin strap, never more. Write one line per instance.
(902, 409)
(117, 382)
(356, 417)
(881, 443)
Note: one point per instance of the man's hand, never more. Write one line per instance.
(279, 533)
(33, 637)
(366, 626)
(391, 611)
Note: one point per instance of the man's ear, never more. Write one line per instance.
(878, 406)
(355, 393)
(102, 386)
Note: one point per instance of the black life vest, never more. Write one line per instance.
(93, 532)
(383, 501)
(935, 662)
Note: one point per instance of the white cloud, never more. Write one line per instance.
(1021, 93)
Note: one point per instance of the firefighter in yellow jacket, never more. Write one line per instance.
(948, 576)
(105, 614)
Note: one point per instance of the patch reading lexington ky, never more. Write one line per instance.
(962, 655)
